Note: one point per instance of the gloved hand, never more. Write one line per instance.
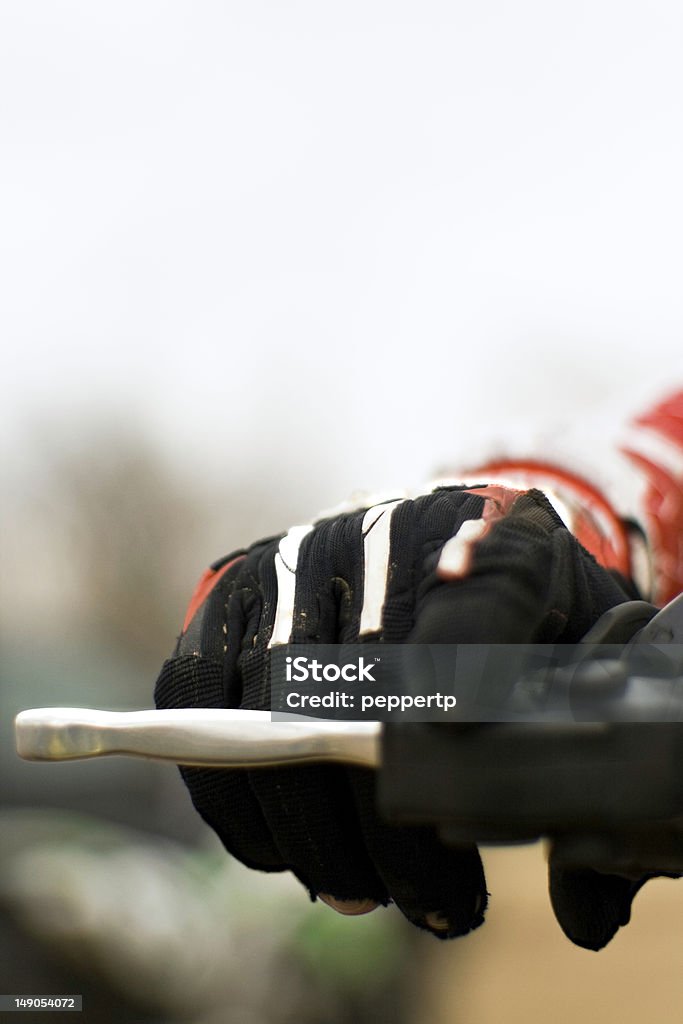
(459, 565)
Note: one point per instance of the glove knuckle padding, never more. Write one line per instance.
(328, 590)
(530, 581)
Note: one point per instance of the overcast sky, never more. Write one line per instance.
(348, 236)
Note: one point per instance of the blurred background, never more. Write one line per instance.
(253, 258)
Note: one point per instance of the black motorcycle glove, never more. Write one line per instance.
(459, 565)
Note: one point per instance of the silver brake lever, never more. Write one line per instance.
(194, 736)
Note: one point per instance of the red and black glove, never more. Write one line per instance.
(458, 565)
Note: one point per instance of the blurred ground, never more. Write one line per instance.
(519, 967)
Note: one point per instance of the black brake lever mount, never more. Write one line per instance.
(609, 793)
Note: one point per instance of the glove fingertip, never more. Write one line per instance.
(591, 907)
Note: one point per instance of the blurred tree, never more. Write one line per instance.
(117, 534)
(129, 527)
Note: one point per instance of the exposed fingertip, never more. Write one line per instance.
(350, 908)
(437, 922)
(445, 927)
